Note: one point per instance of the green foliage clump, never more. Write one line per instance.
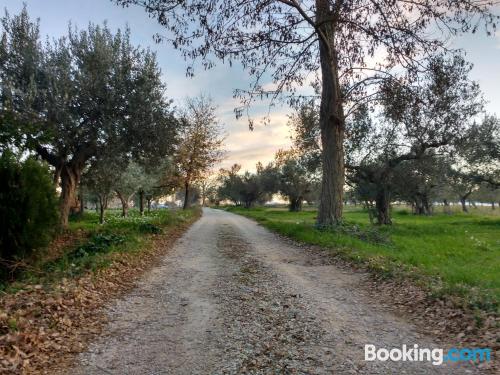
(28, 209)
(149, 228)
(99, 243)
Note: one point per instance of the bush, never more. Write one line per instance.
(99, 243)
(149, 228)
(28, 209)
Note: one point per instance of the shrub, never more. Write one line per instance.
(149, 228)
(28, 209)
(99, 243)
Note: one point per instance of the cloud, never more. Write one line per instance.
(247, 147)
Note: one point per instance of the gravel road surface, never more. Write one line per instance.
(233, 298)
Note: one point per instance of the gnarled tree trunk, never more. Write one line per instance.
(383, 206)
(70, 178)
(331, 123)
(463, 201)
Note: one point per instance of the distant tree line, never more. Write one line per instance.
(425, 140)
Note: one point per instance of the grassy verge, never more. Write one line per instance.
(88, 246)
(455, 255)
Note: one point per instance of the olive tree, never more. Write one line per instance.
(70, 99)
(348, 45)
(295, 182)
(427, 115)
(100, 180)
(248, 188)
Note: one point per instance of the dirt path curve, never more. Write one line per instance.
(233, 298)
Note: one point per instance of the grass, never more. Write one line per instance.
(92, 246)
(456, 254)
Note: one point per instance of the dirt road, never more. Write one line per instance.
(231, 297)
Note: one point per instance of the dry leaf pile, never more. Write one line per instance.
(443, 318)
(42, 327)
(447, 319)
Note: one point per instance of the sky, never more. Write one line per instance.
(243, 146)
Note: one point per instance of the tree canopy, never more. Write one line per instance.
(71, 99)
(345, 48)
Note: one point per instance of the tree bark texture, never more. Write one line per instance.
(186, 196)
(331, 123)
(383, 207)
(70, 178)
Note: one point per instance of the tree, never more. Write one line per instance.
(295, 182)
(149, 184)
(487, 194)
(248, 188)
(100, 179)
(128, 184)
(230, 184)
(431, 113)
(194, 195)
(28, 209)
(463, 185)
(306, 135)
(420, 182)
(200, 145)
(288, 40)
(478, 155)
(208, 190)
(71, 99)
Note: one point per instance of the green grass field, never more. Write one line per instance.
(456, 254)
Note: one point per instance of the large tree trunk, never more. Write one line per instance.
(70, 177)
(203, 194)
(186, 196)
(331, 123)
(423, 205)
(383, 206)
